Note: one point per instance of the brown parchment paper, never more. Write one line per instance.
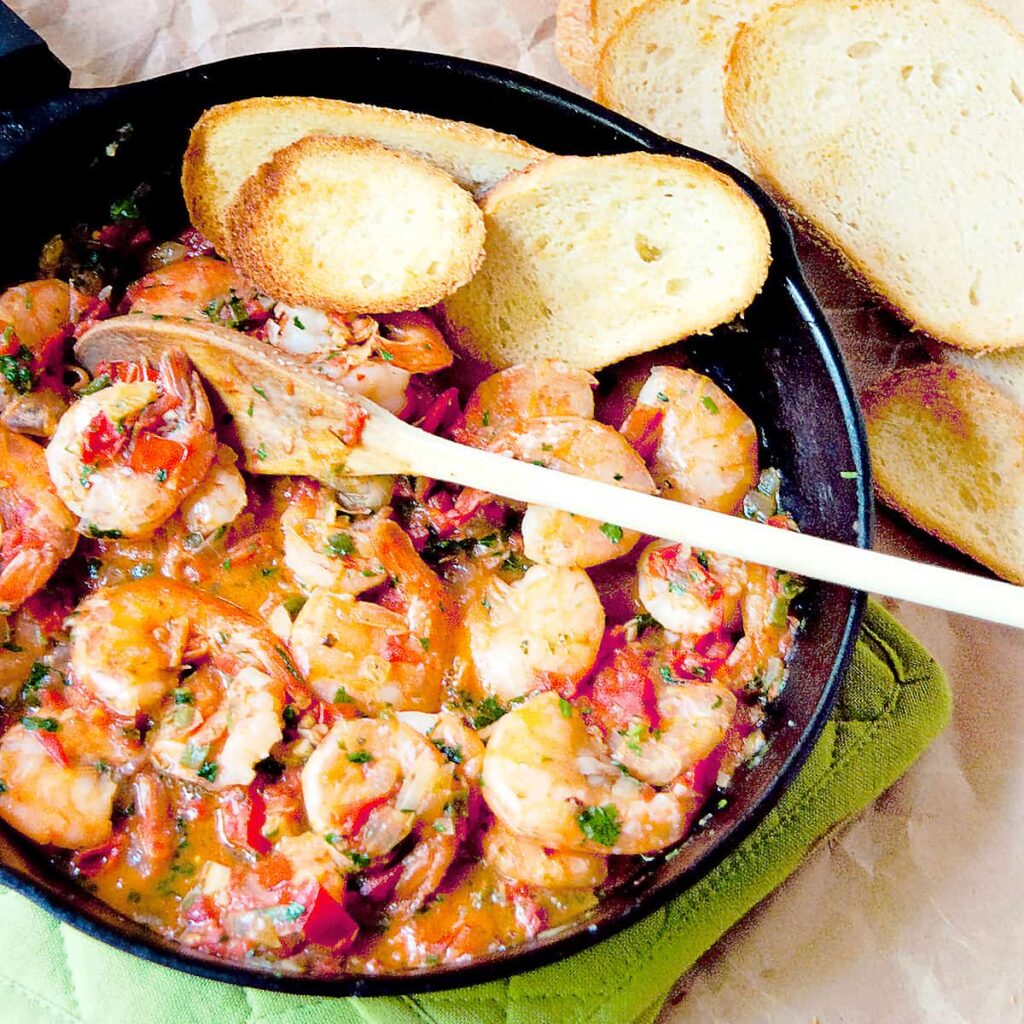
(912, 912)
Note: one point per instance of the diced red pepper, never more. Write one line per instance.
(442, 413)
(257, 818)
(53, 747)
(350, 429)
(152, 453)
(642, 429)
(102, 441)
(355, 822)
(328, 924)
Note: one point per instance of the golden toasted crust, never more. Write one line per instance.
(574, 41)
(230, 141)
(351, 225)
(948, 453)
(844, 169)
(607, 257)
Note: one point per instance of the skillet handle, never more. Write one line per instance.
(28, 70)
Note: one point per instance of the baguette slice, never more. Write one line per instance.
(599, 258)
(574, 41)
(607, 15)
(896, 128)
(948, 452)
(229, 142)
(350, 225)
(1003, 370)
(663, 66)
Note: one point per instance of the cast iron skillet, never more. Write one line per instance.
(786, 373)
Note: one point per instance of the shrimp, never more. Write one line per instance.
(542, 631)
(387, 654)
(196, 289)
(690, 592)
(325, 548)
(124, 458)
(453, 737)
(36, 531)
(131, 647)
(524, 392)
(759, 658)
(583, 448)
(34, 318)
(370, 781)
(219, 498)
(59, 772)
(706, 447)
(375, 357)
(523, 860)
(548, 778)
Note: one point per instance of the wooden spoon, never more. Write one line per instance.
(290, 420)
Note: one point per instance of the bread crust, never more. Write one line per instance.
(967, 413)
(574, 40)
(743, 65)
(205, 177)
(273, 247)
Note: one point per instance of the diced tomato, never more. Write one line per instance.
(53, 746)
(328, 924)
(274, 870)
(257, 818)
(124, 372)
(102, 441)
(152, 453)
(52, 700)
(642, 429)
(196, 243)
(623, 691)
(91, 862)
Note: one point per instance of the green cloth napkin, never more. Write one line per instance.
(894, 701)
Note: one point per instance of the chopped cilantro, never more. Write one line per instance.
(259, 391)
(612, 532)
(208, 771)
(34, 724)
(294, 604)
(96, 384)
(298, 323)
(709, 403)
(125, 209)
(600, 824)
(360, 756)
(361, 860)
(340, 544)
(341, 696)
(261, 452)
(161, 475)
(452, 753)
(702, 559)
(183, 695)
(487, 711)
(100, 534)
(849, 474)
(424, 642)
(662, 397)
(17, 368)
(565, 707)
(290, 715)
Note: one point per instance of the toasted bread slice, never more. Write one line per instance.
(607, 15)
(948, 452)
(1003, 370)
(663, 66)
(350, 225)
(599, 258)
(229, 142)
(889, 125)
(574, 40)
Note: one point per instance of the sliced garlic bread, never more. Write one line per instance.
(948, 452)
(896, 128)
(350, 225)
(663, 66)
(574, 40)
(229, 143)
(599, 258)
